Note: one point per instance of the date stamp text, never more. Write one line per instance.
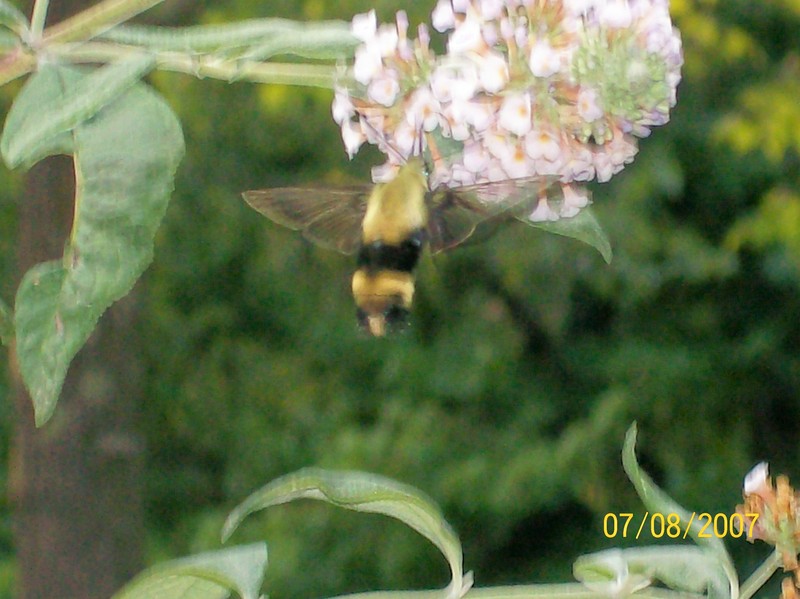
(625, 525)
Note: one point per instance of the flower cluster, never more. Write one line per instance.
(771, 512)
(548, 89)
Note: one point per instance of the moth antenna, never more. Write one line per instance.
(436, 159)
(389, 147)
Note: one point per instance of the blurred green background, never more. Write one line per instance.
(528, 356)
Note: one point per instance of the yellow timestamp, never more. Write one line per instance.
(671, 525)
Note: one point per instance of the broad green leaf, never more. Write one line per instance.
(211, 575)
(11, 17)
(583, 227)
(327, 39)
(125, 158)
(44, 86)
(619, 572)
(656, 501)
(362, 492)
(47, 108)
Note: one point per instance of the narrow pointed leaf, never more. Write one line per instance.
(47, 109)
(583, 227)
(126, 158)
(211, 575)
(657, 501)
(363, 492)
(11, 17)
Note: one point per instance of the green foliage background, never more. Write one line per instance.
(528, 357)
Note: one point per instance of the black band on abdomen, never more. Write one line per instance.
(381, 256)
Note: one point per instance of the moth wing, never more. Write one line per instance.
(456, 213)
(330, 218)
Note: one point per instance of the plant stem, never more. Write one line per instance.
(16, 66)
(534, 591)
(95, 20)
(760, 576)
(312, 75)
(38, 18)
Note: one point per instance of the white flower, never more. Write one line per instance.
(479, 115)
(423, 110)
(384, 172)
(405, 140)
(575, 199)
(475, 158)
(578, 8)
(579, 164)
(364, 26)
(384, 88)
(589, 107)
(386, 40)
(353, 137)
(542, 212)
(543, 60)
(454, 81)
(467, 37)
(515, 114)
(342, 108)
(756, 482)
(515, 163)
(442, 17)
(616, 14)
(367, 63)
(491, 9)
(493, 71)
(542, 144)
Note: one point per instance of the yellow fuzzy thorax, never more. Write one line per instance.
(397, 208)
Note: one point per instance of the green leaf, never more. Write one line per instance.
(125, 159)
(583, 227)
(327, 39)
(362, 492)
(211, 575)
(11, 17)
(620, 571)
(46, 108)
(656, 501)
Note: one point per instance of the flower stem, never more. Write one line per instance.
(313, 75)
(39, 17)
(535, 591)
(95, 20)
(760, 576)
(17, 66)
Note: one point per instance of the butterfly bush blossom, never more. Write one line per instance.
(556, 90)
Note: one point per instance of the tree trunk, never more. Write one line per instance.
(76, 483)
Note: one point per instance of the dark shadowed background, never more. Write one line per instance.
(528, 356)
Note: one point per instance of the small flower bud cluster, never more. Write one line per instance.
(771, 512)
(550, 89)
